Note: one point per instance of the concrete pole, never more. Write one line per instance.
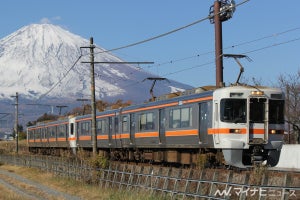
(93, 99)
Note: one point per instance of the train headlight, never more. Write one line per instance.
(273, 131)
(235, 131)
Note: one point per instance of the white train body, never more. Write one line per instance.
(248, 124)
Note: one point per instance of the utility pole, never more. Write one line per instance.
(222, 10)
(93, 99)
(16, 121)
(218, 45)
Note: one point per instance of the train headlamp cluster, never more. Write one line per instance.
(273, 131)
(258, 93)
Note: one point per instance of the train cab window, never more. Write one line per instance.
(146, 121)
(276, 112)
(233, 110)
(124, 124)
(180, 118)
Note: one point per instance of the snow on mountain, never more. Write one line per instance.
(38, 57)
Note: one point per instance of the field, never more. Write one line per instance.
(58, 188)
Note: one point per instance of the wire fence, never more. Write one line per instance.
(175, 183)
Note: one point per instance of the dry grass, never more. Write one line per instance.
(9, 195)
(10, 147)
(84, 191)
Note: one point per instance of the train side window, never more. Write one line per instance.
(38, 134)
(186, 117)
(52, 132)
(124, 124)
(102, 126)
(61, 131)
(85, 128)
(180, 118)
(146, 121)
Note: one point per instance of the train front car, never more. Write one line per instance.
(248, 124)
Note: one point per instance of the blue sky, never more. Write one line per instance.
(267, 31)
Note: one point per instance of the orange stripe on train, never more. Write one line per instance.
(182, 133)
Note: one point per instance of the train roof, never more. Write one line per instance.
(199, 92)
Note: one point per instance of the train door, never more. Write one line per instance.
(116, 132)
(216, 122)
(162, 123)
(110, 131)
(258, 120)
(72, 134)
(204, 121)
(132, 128)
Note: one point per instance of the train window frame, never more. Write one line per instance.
(72, 129)
(181, 117)
(52, 131)
(101, 127)
(231, 113)
(62, 131)
(125, 127)
(256, 116)
(146, 121)
(86, 128)
(276, 116)
(38, 134)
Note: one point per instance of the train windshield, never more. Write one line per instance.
(257, 110)
(276, 112)
(233, 110)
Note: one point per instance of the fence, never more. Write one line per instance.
(174, 182)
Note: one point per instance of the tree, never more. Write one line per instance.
(46, 117)
(120, 104)
(291, 85)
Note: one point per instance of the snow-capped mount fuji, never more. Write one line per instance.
(37, 57)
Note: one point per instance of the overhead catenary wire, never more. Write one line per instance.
(228, 47)
(212, 61)
(169, 32)
(60, 80)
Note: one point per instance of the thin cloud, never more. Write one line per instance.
(46, 20)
